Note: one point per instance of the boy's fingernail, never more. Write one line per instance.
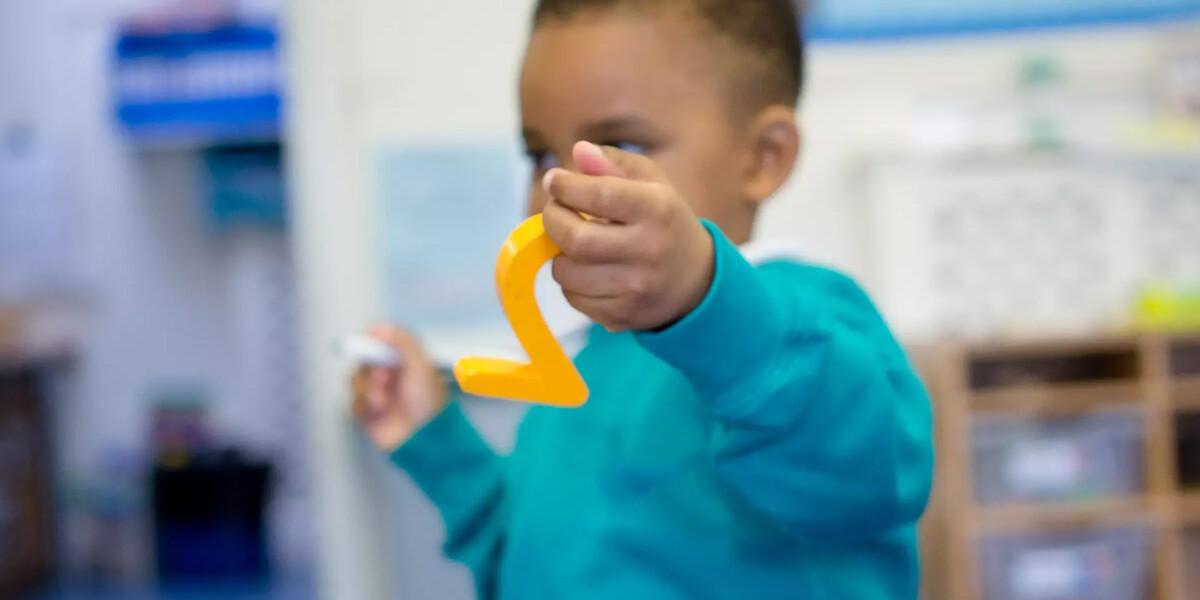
(591, 148)
(548, 179)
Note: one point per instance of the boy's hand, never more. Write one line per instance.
(643, 260)
(393, 403)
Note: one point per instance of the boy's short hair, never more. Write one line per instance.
(766, 32)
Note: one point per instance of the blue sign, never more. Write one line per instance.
(212, 85)
(855, 20)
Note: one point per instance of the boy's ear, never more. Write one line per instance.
(775, 146)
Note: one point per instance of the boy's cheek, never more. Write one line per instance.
(537, 201)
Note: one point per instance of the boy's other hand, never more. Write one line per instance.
(641, 260)
(393, 403)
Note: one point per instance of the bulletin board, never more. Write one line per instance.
(1020, 244)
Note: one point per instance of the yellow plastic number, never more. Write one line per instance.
(549, 377)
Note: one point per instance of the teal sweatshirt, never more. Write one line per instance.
(775, 443)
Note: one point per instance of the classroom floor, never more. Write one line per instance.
(289, 588)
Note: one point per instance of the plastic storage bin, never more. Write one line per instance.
(1185, 358)
(1024, 459)
(1103, 564)
(1187, 442)
(1191, 561)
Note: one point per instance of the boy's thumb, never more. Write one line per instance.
(607, 161)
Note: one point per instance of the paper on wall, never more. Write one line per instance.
(443, 213)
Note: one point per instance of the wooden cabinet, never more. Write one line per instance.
(1152, 380)
(26, 535)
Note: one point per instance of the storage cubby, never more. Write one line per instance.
(1187, 444)
(1067, 469)
(1191, 558)
(1098, 564)
(1049, 367)
(1184, 358)
(1026, 459)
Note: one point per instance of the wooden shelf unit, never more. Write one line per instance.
(1189, 510)
(1185, 392)
(1156, 375)
(1033, 516)
(1054, 400)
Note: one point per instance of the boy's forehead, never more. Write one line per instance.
(597, 68)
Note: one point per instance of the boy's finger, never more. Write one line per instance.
(376, 400)
(380, 377)
(584, 240)
(604, 311)
(360, 374)
(596, 280)
(604, 161)
(609, 198)
(368, 378)
(360, 382)
(372, 385)
(401, 340)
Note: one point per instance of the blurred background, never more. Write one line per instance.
(197, 198)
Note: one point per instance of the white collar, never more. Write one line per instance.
(758, 252)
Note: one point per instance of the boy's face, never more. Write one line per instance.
(643, 83)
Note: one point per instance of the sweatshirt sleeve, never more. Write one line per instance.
(465, 479)
(820, 419)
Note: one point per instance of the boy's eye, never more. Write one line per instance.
(629, 147)
(542, 161)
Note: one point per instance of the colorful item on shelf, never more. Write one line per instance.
(1163, 308)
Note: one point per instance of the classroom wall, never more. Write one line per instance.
(868, 104)
(166, 301)
(149, 270)
(868, 101)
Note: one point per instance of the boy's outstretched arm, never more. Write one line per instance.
(404, 411)
(821, 421)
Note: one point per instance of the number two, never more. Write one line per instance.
(549, 377)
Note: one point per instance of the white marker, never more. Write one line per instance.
(368, 351)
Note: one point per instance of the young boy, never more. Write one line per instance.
(752, 432)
